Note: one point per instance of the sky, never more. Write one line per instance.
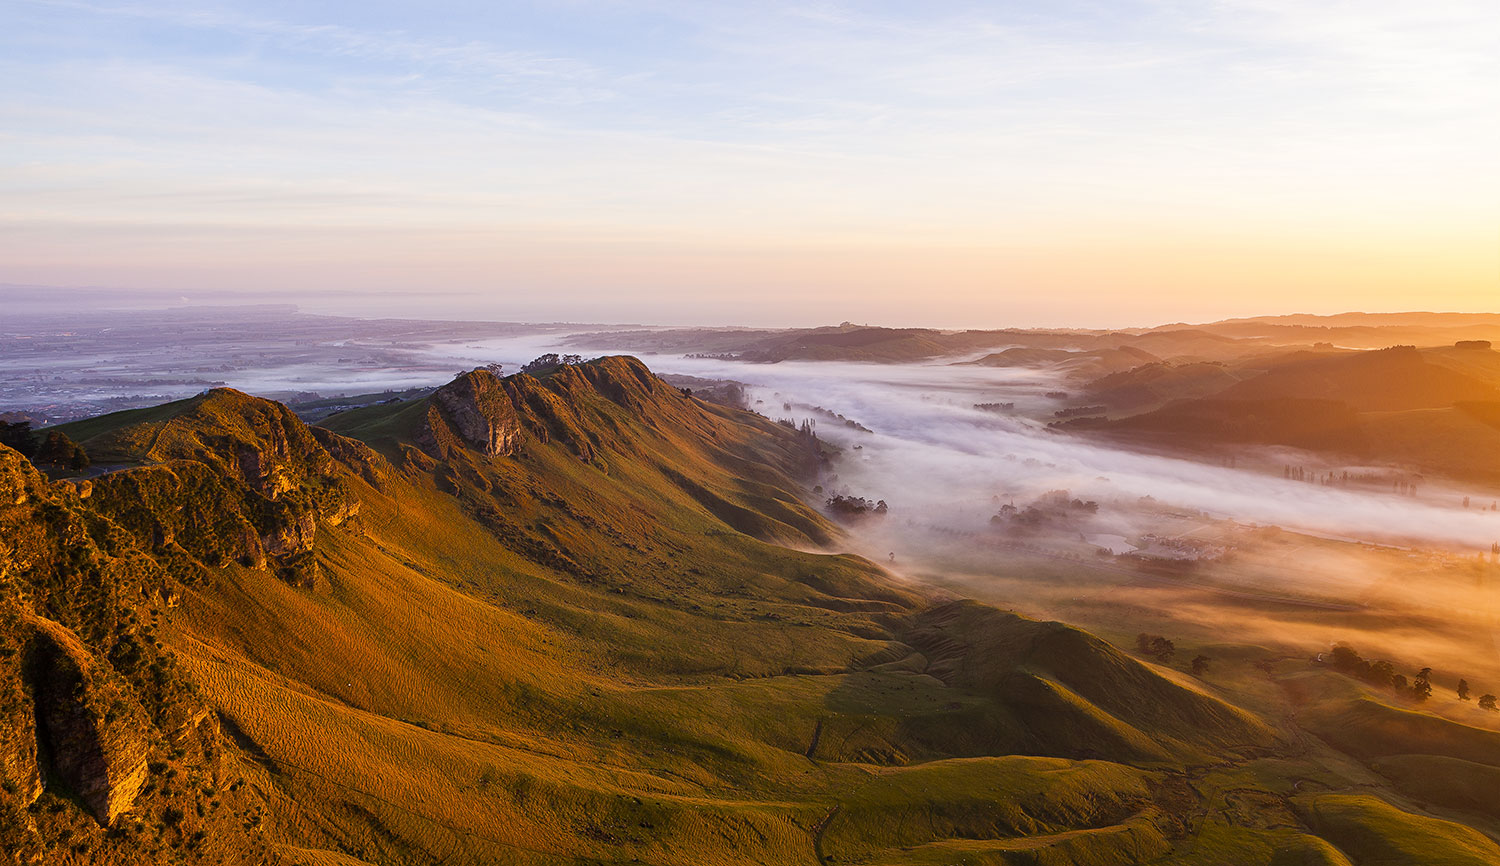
(945, 164)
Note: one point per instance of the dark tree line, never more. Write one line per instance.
(1383, 674)
(856, 506)
(54, 449)
(551, 361)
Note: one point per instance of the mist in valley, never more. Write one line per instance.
(993, 503)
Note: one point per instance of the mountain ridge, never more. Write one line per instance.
(593, 619)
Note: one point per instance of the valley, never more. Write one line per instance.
(583, 615)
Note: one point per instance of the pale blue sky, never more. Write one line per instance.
(942, 163)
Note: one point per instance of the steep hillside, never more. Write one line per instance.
(108, 754)
(572, 617)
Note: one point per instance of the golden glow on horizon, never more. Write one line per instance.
(1254, 157)
(1105, 281)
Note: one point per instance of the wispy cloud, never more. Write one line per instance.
(761, 125)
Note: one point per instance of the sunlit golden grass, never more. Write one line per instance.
(1370, 830)
(629, 646)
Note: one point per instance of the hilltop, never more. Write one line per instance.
(1429, 409)
(576, 616)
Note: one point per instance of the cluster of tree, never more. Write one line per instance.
(18, 435)
(1056, 506)
(856, 506)
(1403, 486)
(835, 416)
(550, 361)
(1382, 673)
(995, 407)
(1080, 411)
(1159, 648)
(1162, 649)
(55, 449)
(808, 428)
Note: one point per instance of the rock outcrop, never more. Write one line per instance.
(18, 478)
(489, 415)
(90, 729)
(19, 767)
(233, 478)
(473, 409)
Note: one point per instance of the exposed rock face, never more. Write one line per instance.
(18, 757)
(549, 412)
(237, 479)
(91, 729)
(18, 478)
(259, 441)
(487, 414)
(477, 410)
(355, 455)
(291, 536)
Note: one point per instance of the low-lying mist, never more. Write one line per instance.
(991, 502)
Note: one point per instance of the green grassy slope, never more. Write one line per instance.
(618, 637)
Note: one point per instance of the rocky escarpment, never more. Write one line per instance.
(89, 727)
(90, 699)
(230, 478)
(490, 415)
(474, 409)
(258, 442)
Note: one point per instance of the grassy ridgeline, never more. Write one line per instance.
(618, 637)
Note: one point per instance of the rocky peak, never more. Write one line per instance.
(232, 477)
(476, 410)
(258, 441)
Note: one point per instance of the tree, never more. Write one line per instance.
(58, 450)
(1421, 687)
(1345, 659)
(1155, 646)
(18, 435)
(1487, 702)
(1463, 690)
(1398, 684)
(1381, 673)
(1200, 664)
(542, 363)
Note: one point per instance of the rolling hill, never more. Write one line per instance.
(1393, 379)
(1430, 410)
(572, 617)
